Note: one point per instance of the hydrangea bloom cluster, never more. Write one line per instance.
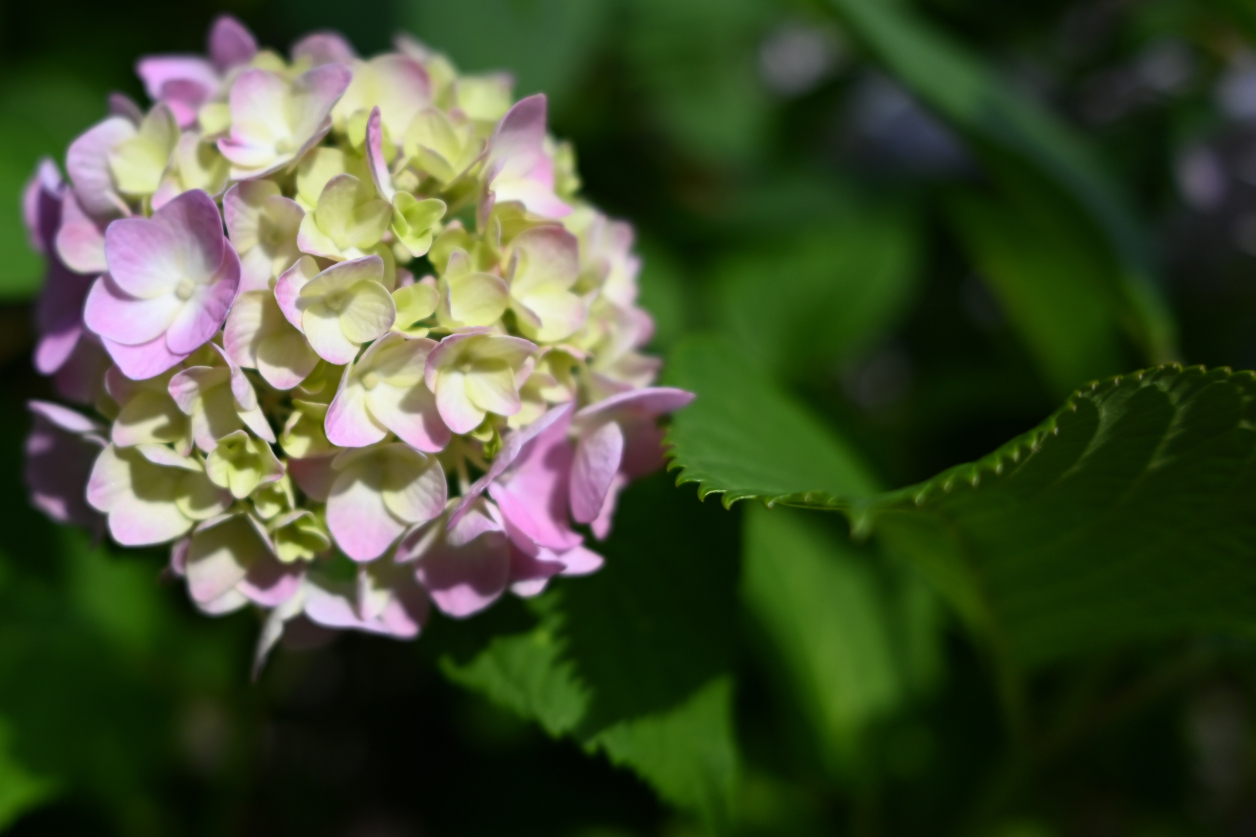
(353, 344)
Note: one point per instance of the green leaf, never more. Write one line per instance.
(1002, 125)
(743, 437)
(20, 790)
(528, 674)
(808, 302)
(1125, 516)
(30, 129)
(1050, 277)
(544, 44)
(635, 660)
(663, 293)
(855, 639)
(702, 90)
(688, 753)
(97, 662)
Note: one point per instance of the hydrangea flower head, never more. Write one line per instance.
(354, 346)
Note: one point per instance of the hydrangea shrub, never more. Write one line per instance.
(344, 333)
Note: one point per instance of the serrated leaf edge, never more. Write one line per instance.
(970, 474)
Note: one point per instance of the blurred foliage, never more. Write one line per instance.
(880, 239)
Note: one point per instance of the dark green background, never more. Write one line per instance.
(890, 262)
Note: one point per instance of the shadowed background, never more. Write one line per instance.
(803, 191)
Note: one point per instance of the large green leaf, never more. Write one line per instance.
(634, 661)
(812, 299)
(1010, 132)
(1127, 515)
(744, 435)
(857, 637)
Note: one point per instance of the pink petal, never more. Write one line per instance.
(121, 318)
(63, 418)
(143, 256)
(143, 361)
(465, 580)
(190, 385)
(516, 154)
(406, 613)
(258, 102)
(529, 574)
(445, 354)
(182, 82)
(519, 138)
(87, 162)
(535, 503)
(313, 475)
(456, 409)
(80, 240)
(289, 286)
(58, 464)
(598, 454)
(648, 403)
(156, 71)
(533, 497)
(179, 556)
(537, 195)
(413, 417)
(601, 525)
(59, 317)
(231, 43)
(41, 205)
(643, 447)
(241, 389)
(357, 517)
(330, 606)
(122, 105)
(80, 378)
(349, 423)
(375, 157)
(581, 561)
(204, 313)
(482, 519)
(317, 91)
(270, 582)
(55, 348)
(326, 47)
(195, 222)
(212, 572)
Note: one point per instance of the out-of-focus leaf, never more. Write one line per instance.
(1125, 516)
(1001, 122)
(697, 63)
(95, 660)
(545, 44)
(20, 790)
(839, 628)
(688, 753)
(528, 674)
(743, 435)
(39, 115)
(811, 300)
(663, 294)
(1049, 276)
(635, 661)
